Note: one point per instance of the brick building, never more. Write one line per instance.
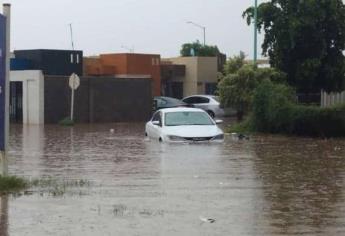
(124, 64)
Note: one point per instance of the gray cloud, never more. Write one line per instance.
(151, 26)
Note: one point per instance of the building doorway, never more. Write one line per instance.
(16, 102)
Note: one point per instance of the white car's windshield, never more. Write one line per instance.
(187, 118)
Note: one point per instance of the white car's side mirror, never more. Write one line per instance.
(155, 122)
(218, 122)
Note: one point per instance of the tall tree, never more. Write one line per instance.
(197, 49)
(239, 81)
(305, 39)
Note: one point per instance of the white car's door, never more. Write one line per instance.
(155, 126)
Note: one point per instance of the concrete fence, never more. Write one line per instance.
(330, 99)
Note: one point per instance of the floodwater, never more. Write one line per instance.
(268, 185)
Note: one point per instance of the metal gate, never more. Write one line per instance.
(16, 102)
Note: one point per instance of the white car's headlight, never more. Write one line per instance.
(175, 138)
(219, 137)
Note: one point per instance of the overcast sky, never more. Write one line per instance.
(150, 26)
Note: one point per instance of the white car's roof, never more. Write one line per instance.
(181, 109)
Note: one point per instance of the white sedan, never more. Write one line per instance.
(183, 125)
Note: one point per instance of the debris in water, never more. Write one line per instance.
(240, 136)
(207, 220)
(243, 137)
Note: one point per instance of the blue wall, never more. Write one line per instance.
(21, 64)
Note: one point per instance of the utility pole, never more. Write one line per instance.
(255, 32)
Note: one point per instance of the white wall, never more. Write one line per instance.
(33, 95)
(199, 70)
(190, 80)
(330, 99)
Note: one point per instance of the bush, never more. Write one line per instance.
(316, 121)
(275, 111)
(271, 107)
(66, 122)
(11, 183)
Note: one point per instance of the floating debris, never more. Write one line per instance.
(207, 220)
(243, 137)
(240, 136)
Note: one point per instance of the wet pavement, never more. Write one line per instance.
(268, 185)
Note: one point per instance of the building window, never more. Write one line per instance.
(153, 61)
(77, 58)
(210, 88)
(157, 62)
(72, 59)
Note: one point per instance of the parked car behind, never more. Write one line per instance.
(208, 103)
(167, 102)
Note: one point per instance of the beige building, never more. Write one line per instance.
(200, 74)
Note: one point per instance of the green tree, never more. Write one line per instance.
(234, 64)
(305, 39)
(197, 49)
(237, 86)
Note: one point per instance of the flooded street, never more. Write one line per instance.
(122, 184)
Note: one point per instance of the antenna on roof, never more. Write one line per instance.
(70, 27)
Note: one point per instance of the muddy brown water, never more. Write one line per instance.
(269, 185)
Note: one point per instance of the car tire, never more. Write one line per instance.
(211, 113)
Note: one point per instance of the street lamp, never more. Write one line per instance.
(255, 32)
(201, 27)
(131, 50)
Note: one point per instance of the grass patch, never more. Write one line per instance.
(244, 127)
(53, 187)
(10, 184)
(57, 188)
(66, 122)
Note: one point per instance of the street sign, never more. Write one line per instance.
(74, 81)
(2, 80)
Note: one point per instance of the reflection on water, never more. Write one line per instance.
(269, 185)
(303, 184)
(3, 215)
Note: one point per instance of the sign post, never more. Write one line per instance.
(2, 93)
(74, 83)
(5, 22)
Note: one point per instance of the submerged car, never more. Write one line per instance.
(183, 125)
(208, 103)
